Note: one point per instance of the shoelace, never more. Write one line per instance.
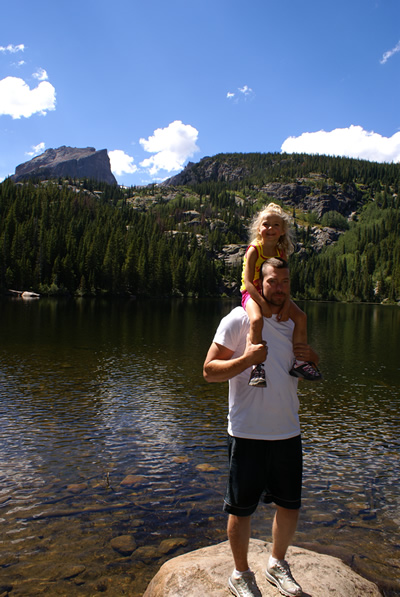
(310, 369)
(248, 581)
(285, 570)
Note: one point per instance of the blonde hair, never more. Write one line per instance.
(285, 243)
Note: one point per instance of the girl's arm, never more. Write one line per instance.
(300, 323)
(305, 352)
(284, 313)
(249, 272)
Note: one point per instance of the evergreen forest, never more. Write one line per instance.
(80, 237)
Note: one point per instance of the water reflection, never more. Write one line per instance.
(109, 429)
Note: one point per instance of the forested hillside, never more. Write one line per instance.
(79, 237)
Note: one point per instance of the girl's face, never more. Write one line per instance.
(271, 228)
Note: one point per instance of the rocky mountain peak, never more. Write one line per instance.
(68, 162)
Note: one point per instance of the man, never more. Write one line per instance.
(265, 452)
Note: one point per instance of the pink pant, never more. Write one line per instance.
(245, 297)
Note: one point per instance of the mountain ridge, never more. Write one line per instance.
(189, 240)
(67, 162)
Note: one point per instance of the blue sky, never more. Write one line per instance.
(159, 83)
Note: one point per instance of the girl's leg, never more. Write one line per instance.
(303, 369)
(253, 310)
(300, 324)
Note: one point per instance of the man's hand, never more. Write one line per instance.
(304, 352)
(220, 366)
(255, 353)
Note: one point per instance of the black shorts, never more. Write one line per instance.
(267, 470)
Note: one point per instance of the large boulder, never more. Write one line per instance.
(204, 573)
(67, 162)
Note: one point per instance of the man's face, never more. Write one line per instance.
(276, 285)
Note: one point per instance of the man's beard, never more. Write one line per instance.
(276, 299)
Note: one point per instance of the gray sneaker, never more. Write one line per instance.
(279, 574)
(245, 586)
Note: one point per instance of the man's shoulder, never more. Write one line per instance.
(239, 315)
(232, 327)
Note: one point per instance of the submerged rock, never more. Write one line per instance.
(206, 468)
(132, 480)
(205, 572)
(124, 544)
(77, 487)
(169, 545)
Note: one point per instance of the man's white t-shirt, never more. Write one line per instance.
(269, 413)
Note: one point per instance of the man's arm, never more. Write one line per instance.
(219, 365)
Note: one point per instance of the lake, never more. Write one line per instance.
(113, 447)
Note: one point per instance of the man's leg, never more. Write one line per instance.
(283, 530)
(278, 570)
(242, 583)
(239, 528)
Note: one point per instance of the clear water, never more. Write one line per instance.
(109, 429)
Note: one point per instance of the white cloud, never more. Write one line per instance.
(390, 53)
(353, 142)
(245, 92)
(40, 74)
(17, 99)
(172, 146)
(12, 49)
(121, 162)
(36, 149)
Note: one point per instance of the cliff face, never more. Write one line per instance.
(68, 162)
(310, 193)
(209, 169)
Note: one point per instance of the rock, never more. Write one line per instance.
(210, 168)
(124, 544)
(206, 468)
(72, 570)
(132, 480)
(204, 573)
(191, 213)
(147, 553)
(169, 545)
(323, 237)
(77, 487)
(180, 459)
(233, 254)
(291, 192)
(67, 162)
(311, 199)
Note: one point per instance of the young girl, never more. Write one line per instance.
(271, 236)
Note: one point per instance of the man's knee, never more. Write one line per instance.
(289, 514)
(288, 510)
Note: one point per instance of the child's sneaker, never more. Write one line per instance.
(257, 377)
(307, 371)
